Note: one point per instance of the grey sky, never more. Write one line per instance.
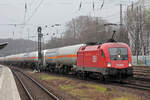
(51, 12)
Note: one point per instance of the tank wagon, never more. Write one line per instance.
(62, 59)
(101, 60)
(29, 59)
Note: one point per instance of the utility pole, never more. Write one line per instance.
(141, 29)
(121, 22)
(28, 33)
(96, 29)
(137, 34)
(40, 35)
(74, 28)
(147, 44)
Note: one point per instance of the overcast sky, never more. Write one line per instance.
(51, 12)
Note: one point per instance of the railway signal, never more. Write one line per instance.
(40, 35)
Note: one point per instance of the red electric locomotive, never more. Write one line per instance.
(108, 59)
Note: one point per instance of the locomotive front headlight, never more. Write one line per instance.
(130, 64)
(108, 64)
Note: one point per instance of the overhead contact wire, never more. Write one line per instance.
(36, 9)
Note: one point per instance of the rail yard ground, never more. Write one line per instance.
(69, 88)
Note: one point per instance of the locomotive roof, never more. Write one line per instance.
(105, 45)
(116, 44)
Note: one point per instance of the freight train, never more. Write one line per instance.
(105, 60)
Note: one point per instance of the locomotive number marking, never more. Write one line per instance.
(94, 59)
(120, 65)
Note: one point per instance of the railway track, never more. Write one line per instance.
(141, 73)
(33, 89)
(141, 69)
(136, 84)
(140, 80)
(130, 83)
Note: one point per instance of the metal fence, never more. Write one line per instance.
(142, 60)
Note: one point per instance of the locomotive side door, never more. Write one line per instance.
(102, 59)
(80, 57)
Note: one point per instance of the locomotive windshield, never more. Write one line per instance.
(118, 53)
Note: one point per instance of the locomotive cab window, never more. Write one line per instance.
(102, 53)
(118, 53)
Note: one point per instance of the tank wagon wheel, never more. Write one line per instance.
(50, 69)
(101, 78)
(78, 74)
(61, 71)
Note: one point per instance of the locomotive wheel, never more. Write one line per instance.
(81, 75)
(101, 77)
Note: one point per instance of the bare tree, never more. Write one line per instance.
(134, 23)
(138, 27)
(84, 29)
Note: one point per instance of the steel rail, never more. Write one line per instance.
(136, 86)
(141, 79)
(38, 84)
(24, 87)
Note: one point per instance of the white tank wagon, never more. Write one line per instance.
(49, 59)
(62, 59)
(23, 59)
(10, 58)
(49, 56)
(31, 57)
(2, 59)
(14, 59)
(68, 55)
(19, 59)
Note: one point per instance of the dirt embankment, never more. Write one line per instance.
(75, 89)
